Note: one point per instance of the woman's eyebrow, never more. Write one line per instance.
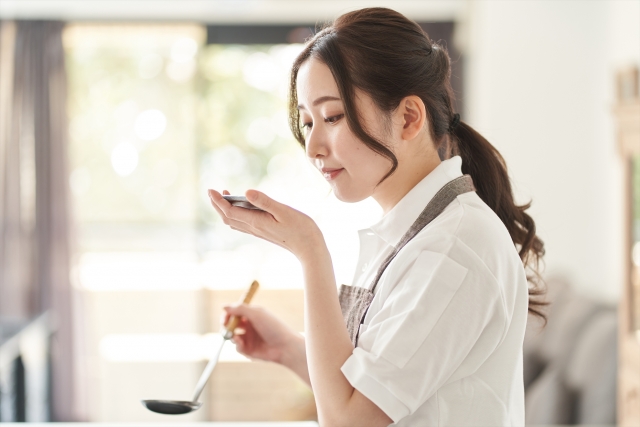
(319, 101)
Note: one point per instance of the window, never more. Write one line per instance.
(158, 116)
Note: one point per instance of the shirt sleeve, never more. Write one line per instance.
(438, 316)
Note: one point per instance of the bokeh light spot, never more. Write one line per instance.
(124, 158)
(184, 49)
(262, 72)
(150, 125)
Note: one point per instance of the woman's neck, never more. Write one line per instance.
(411, 170)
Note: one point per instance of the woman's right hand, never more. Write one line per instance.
(261, 335)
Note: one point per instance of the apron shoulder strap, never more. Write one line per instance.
(438, 203)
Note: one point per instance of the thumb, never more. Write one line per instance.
(264, 202)
(239, 310)
(235, 310)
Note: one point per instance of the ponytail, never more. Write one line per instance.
(488, 170)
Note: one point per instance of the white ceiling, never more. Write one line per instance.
(220, 11)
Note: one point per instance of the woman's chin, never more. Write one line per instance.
(349, 197)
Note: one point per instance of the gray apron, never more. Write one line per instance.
(354, 300)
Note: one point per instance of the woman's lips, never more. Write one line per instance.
(330, 174)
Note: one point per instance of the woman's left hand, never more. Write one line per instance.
(279, 224)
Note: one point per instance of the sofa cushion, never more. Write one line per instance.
(548, 401)
(591, 372)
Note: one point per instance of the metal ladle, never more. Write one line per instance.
(177, 407)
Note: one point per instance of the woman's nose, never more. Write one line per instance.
(315, 145)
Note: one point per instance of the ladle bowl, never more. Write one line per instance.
(171, 407)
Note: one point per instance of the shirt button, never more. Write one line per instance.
(364, 267)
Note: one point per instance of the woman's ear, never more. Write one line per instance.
(414, 115)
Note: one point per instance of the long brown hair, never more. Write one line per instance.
(390, 57)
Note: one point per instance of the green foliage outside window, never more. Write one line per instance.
(156, 118)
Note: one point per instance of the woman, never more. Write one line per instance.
(436, 317)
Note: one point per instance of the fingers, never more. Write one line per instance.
(240, 218)
(240, 338)
(240, 343)
(265, 203)
(219, 202)
(224, 318)
(224, 209)
(242, 310)
(251, 316)
(215, 201)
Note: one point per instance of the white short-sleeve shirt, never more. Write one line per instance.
(441, 344)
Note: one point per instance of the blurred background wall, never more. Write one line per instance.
(541, 88)
(160, 109)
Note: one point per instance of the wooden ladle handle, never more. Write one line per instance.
(232, 324)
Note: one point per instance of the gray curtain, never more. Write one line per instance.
(35, 212)
(16, 225)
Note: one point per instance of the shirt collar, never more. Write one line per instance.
(397, 221)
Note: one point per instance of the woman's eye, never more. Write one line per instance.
(334, 119)
(307, 126)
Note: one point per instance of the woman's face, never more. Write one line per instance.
(352, 169)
